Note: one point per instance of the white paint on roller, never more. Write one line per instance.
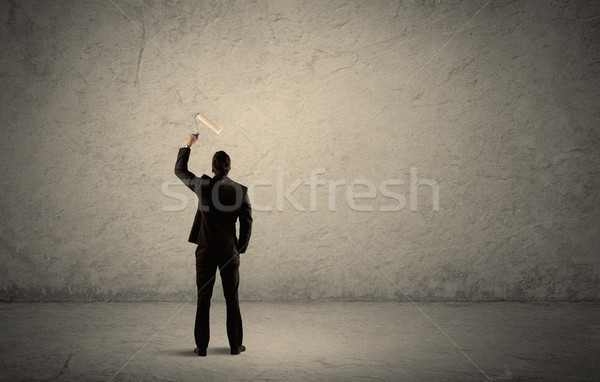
(204, 119)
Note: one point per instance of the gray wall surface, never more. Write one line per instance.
(491, 105)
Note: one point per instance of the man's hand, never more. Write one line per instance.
(191, 139)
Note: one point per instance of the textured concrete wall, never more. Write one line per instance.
(496, 102)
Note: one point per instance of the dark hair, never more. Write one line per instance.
(221, 164)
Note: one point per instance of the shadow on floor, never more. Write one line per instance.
(181, 352)
(190, 352)
(220, 350)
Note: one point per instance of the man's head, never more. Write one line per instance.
(221, 164)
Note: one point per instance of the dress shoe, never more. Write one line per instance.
(200, 352)
(238, 350)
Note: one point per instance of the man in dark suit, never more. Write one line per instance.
(221, 202)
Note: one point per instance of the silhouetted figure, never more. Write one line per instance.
(221, 202)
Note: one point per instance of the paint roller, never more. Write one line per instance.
(205, 120)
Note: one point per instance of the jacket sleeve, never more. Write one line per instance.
(245, 223)
(181, 169)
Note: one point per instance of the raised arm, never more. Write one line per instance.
(181, 165)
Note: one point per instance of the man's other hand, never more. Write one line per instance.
(191, 139)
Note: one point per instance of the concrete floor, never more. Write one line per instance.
(303, 341)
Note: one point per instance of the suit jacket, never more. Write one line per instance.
(221, 202)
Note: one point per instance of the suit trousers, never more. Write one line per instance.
(207, 262)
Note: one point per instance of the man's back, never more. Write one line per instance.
(221, 202)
